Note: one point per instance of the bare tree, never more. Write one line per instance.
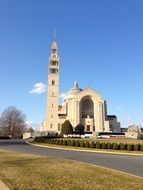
(12, 122)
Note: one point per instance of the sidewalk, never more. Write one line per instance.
(3, 186)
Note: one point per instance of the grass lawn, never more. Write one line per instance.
(28, 172)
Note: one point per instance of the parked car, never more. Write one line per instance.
(87, 135)
(71, 135)
(103, 136)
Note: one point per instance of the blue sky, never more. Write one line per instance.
(100, 45)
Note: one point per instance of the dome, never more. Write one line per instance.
(75, 90)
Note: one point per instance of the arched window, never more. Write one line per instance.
(87, 108)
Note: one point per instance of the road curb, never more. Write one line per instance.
(3, 186)
(82, 150)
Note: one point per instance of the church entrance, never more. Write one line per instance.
(88, 127)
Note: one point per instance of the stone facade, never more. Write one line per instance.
(84, 106)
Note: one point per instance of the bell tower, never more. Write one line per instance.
(53, 90)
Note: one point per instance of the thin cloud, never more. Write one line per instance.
(119, 107)
(38, 88)
(35, 126)
(28, 122)
(62, 95)
(129, 118)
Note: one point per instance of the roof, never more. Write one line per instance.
(75, 90)
(112, 116)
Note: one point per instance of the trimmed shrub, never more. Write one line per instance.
(103, 145)
(129, 147)
(69, 142)
(81, 143)
(61, 142)
(57, 142)
(87, 145)
(97, 145)
(109, 146)
(72, 143)
(92, 145)
(51, 141)
(47, 141)
(122, 146)
(77, 143)
(141, 147)
(64, 142)
(136, 147)
(115, 146)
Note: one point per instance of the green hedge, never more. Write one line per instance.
(98, 145)
(103, 145)
(129, 147)
(122, 146)
(141, 147)
(115, 146)
(81, 143)
(136, 147)
(77, 143)
(87, 144)
(92, 145)
(45, 139)
(109, 145)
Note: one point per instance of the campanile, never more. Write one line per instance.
(53, 90)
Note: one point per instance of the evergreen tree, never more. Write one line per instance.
(66, 128)
(79, 129)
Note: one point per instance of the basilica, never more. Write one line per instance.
(84, 106)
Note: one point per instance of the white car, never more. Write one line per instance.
(87, 135)
(103, 136)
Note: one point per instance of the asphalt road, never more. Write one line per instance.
(124, 163)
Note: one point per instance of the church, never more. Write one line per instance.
(84, 106)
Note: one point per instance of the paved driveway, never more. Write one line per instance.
(128, 164)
